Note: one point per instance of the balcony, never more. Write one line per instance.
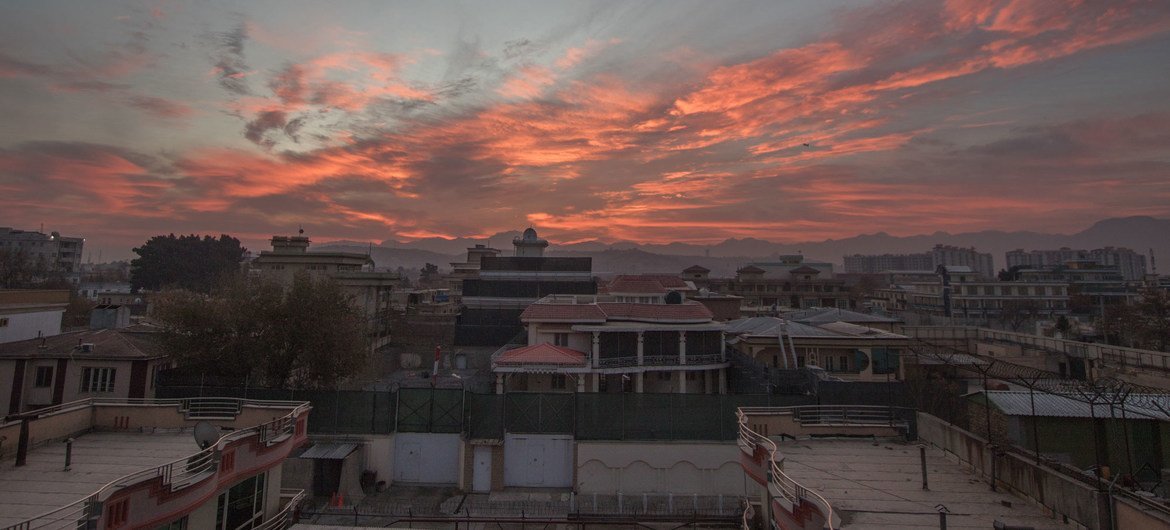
(144, 453)
(631, 361)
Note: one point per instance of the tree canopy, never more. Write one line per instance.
(186, 262)
(304, 335)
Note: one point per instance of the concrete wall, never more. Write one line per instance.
(1059, 494)
(27, 325)
(659, 467)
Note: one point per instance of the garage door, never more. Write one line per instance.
(538, 460)
(426, 458)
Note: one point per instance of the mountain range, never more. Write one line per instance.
(1140, 233)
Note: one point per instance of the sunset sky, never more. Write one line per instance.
(654, 122)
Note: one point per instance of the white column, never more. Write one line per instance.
(638, 383)
(596, 349)
(499, 383)
(596, 382)
(639, 348)
(722, 380)
(682, 381)
(682, 347)
(580, 382)
(723, 345)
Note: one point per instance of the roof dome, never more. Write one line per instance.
(529, 234)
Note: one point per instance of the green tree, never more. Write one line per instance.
(308, 334)
(185, 262)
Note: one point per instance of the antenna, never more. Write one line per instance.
(205, 434)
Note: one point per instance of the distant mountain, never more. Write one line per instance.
(1139, 233)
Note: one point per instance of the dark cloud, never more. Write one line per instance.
(228, 59)
(161, 108)
(266, 121)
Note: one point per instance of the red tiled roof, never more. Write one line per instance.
(565, 312)
(662, 312)
(542, 354)
(668, 281)
(634, 284)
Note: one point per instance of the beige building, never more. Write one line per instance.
(104, 363)
(641, 337)
(371, 290)
(851, 352)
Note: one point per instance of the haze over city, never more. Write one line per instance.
(655, 122)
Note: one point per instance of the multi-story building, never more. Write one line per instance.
(28, 313)
(980, 262)
(770, 286)
(467, 269)
(1131, 265)
(207, 463)
(102, 363)
(58, 254)
(503, 286)
(969, 296)
(370, 290)
(641, 337)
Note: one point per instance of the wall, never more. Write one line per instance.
(1064, 496)
(25, 326)
(648, 467)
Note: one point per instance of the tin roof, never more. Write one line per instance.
(1019, 403)
(329, 451)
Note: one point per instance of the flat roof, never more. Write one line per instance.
(880, 486)
(98, 458)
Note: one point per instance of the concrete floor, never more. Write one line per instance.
(880, 486)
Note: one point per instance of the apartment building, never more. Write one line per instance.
(947, 255)
(57, 253)
(1131, 265)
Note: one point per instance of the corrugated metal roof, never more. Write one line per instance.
(329, 451)
(1017, 403)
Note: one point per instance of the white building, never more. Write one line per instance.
(29, 314)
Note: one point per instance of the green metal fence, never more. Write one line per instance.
(586, 416)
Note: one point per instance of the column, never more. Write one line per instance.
(723, 345)
(682, 381)
(638, 383)
(639, 348)
(499, 383)
(722, 380)
(706, 381)
(596, 382)
(682, 347)
(596, 351)
(580, 382)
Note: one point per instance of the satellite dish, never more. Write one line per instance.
(205, 434)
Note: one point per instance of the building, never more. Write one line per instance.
(1097, 285)
(961, 292)
(468, 268)
(370, 290)
(641, 337)
(1131, 265)
(788, 282)
(31, 313)
(980, 262)
(56, 253)
(207, 463)
(503, 286)
(846, 351)
(102, 363)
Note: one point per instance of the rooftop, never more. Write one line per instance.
(879, 486)
(99, 458)
(126, 343)
(827, 314)
(542, 354)
(589, 308)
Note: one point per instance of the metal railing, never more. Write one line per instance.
(846, 415)
(779, 483)
(175, 475)
(705, 358)
(617, 362)
(626, 361)
(284, 518)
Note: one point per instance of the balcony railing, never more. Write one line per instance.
(290, 500)
(175, 475)
(626, 361)
(763, 451)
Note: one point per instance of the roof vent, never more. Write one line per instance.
(674, 297)
(87, 347)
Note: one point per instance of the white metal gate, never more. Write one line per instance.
(538, 460)
(426, 458)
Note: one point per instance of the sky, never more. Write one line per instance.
(690, 121)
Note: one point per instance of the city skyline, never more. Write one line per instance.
(652, 122)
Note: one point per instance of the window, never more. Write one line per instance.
(242, 506)
(844, 363)
(561, 339)
(117, 512)
(3, 322)
(558, 381)
(180, 524)
(97, 379)
(44, 377)
(664, 376)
